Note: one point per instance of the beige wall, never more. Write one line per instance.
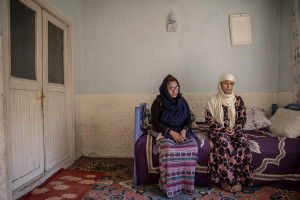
(105, 122)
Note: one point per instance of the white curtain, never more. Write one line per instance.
(296, 47)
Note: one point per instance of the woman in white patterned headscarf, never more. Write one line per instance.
(230, 159)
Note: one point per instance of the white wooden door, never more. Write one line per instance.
(25, 90)
(40, 110)
(57, 138)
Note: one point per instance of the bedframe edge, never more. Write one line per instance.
(138, 124)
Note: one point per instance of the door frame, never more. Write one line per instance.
(44, 4)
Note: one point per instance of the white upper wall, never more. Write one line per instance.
(285, 55)
(73, 10)
(126, 48)
(122, 46)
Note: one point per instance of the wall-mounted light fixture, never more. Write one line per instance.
(172, 25)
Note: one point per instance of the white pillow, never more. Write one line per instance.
(286, 123)
(256, 119)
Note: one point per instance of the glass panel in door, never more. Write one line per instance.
(22, 25)
(55, 54)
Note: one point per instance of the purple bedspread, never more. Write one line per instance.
(276, 160)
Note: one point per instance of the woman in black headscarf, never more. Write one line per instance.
(177, 148)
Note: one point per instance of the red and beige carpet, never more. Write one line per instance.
(64, 184)
(116, 183)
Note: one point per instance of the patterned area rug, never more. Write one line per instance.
(64, 184)
(117, 184)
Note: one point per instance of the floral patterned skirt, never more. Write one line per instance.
(230, 159)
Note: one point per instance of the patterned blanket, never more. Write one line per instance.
(276, 160)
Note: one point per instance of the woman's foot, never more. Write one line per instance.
(236, 188)
(226, 187)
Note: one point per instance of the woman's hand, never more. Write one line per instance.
(183, 133)
(229, 131)
(177, 137)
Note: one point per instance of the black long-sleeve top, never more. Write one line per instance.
(156, 112)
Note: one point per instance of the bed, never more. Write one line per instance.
(276, 159)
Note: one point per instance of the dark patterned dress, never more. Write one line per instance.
(230, 158)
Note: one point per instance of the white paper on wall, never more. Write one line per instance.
(240, 29)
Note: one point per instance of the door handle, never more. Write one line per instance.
(42, 99)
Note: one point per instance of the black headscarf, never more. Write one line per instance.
(175, 108)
